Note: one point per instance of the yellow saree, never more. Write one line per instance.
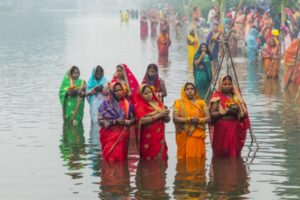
(190, 138)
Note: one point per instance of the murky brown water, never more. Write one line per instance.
(41, 160)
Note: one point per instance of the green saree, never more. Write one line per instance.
(73, 106)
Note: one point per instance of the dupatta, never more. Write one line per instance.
(186, 108)
(155, 82)
(131, 82)
(110, 109)
(68, 85)
(144, 109)
(225, 103)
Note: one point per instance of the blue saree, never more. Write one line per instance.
(202, 72)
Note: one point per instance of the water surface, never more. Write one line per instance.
(40, 159)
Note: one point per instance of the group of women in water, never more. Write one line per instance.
(123, 107)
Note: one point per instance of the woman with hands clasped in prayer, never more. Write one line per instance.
(151, 116)
(72, 96)
(230, 120)
(96, 91)
(190, 116)
(115, 119)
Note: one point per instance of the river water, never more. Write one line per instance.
(42, 160)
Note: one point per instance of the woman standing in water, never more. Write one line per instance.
(144, 27)
(153, 26)
(152, 79)
(203, 65)
(271, 59)
(72, 96)
(190, 115)
(192, 45)
(127, 79)
(252, 45)
(152, 116)
(291, 64)
(96, 91)
(163, 43)
(229, 120)
(213, 42)
(115, 118)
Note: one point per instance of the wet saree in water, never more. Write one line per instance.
(114, 138)
(212, 42)
(291, 68)
(228, 136)
(190, 138)
(163, 44)
(153, 26)
(202, 72)
(144, 27)
(95, 98)
(73, 106)
(192, 46)
(252, 45)
(151, 137)
(271, 60)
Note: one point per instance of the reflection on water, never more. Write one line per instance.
(36, 50)
(114, 183)
(190, 179)
(228, 177)
(73, 150)
(151, 180)
(94, 149)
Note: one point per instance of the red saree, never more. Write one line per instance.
(155, 83)
(114, 138)
(151, 137)
(114, 141)
(228, 135)
(144, 27)
(130, 85)
(163, 44)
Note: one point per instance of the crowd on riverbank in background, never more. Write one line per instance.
(257, 32)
